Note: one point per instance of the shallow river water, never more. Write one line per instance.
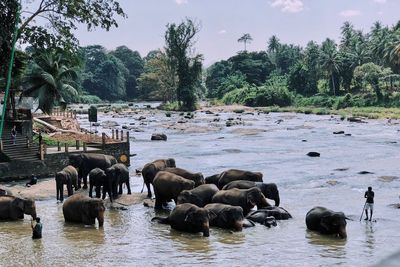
(271, 143)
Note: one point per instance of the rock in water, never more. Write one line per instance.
(159, 137)
(313, 154)
(338, 132)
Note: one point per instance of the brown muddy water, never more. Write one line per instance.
(270, 143)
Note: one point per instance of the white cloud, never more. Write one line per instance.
(222, 32)
(181, 2)
(350, 13)
(289, 6)
(380, 1)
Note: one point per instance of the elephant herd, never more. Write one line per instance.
(224, 200)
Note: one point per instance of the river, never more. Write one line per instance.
(275, 144)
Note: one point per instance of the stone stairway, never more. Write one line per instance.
(20, 151)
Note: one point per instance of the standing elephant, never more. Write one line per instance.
(168, 186)
(270, 191)
(326, 221)
(188, 218)
(197, 178)
(245, 198)
(150, 170)
(83, 209)
(85, 162)
(119, 173)
(200, 196)
(227, 216)
(233, 175)
(99, 179)
(14, 208)
(69, 177)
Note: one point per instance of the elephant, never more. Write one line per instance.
(326, 221)
(150, 170)
(197, 178)
(227, 216)
(213, 179)
(200, 196)
(98, 179)
(83, 209)
(270, 190)
(85, 162)
(264, 220)
(277, 212)
(69, 177)
(188, 218)
(14, 208)
(118, 174)
(234, 174)
(168, 186)
(245, 198)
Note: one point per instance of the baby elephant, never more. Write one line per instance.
(119, 173)
(188, 218)
(277, 213)
(168, 186)
(197, 178)
(200, 196)
(98, 179)
(227, 216)
(326, 221)
(69, 177)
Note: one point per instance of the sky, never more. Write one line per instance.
(223, 22)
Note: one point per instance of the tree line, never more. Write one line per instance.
(364, 67)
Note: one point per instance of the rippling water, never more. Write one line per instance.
(130, 239)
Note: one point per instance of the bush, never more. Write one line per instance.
(89, 99)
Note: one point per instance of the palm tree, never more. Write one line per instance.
(246, 38)
(330, 60)
(273, 44)
(50, 80)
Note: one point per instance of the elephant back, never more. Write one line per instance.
(170, 185)
(197, 178)
(234, 174)
(151, 169)
(240, 184)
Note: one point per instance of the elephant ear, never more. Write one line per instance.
(325, 222)
(19, 203)
(251, 198)
(189, 216)
(211, 215)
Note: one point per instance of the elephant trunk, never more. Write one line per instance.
(342, 232)
(33, 214)
(263, 203)
(238, 226)
(277, 201)
(100, 218)
(206, 229)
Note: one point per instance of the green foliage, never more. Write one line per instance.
(64, 17)
(8, 9)
(104, 75)
(273, 92)
(159, 79)
(89, 99)
(51, 80)
(135, 66)
(179, 46)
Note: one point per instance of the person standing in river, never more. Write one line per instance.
(369, 205)
(36, 229)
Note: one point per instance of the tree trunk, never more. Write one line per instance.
(333, 85)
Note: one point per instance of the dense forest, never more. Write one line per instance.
(363, 69)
